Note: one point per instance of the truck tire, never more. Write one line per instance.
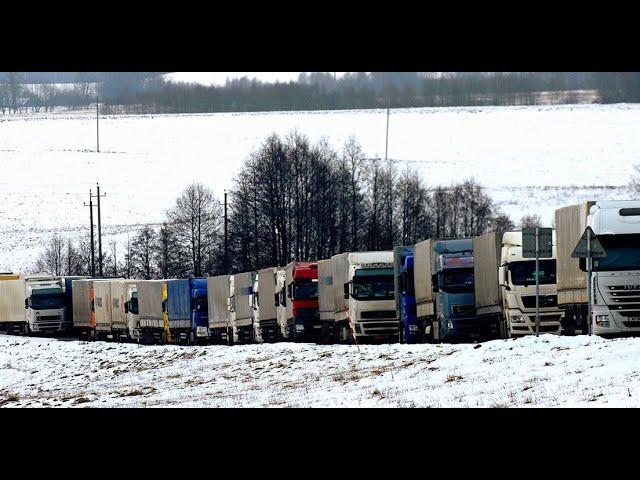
(400, 332)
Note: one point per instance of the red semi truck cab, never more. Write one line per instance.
(302, 289)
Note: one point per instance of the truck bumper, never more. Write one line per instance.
(549, 323)
(464, 329)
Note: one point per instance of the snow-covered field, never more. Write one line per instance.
(530, 159)
(548, 371)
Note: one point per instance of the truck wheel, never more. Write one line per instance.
(27, 330)
(400, 332)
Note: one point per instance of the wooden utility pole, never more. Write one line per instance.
(98, 196)
(93, 264)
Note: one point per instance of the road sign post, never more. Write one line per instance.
(589, 247)
(537, 242)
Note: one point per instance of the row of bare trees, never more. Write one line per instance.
(292, 200)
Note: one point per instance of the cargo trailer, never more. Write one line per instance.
(265, 304)
(153, 316)
(13, 318)
(241, 310)
(220, 323)
(326, 303)
(103, 306)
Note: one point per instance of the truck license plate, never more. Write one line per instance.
(201, 331)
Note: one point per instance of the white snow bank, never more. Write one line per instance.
(547, 371)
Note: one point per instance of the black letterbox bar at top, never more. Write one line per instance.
(629, 212)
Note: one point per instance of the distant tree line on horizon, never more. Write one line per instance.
(148, 92)
(291, 200)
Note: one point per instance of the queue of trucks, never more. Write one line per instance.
(438, 290)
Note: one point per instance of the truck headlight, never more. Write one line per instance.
(299, 328)
(413, 328)
(602, 320)
(450, 325)
(517, 319)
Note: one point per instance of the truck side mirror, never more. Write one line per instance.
(126, 307)
(290, 290)
(26, 303)
(346, 290)
(276, 299)
(434, 282)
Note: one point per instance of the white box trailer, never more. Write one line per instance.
(571, 222)
(423, 271)
(123, 321)
(267, 318)
(83, 313)
(12, 311)
(220, 325)
(152, 296)
(103, 307)
(241, 307)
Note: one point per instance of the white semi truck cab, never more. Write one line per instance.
(516, 277)
(365, 296)
(45, 304)
(616, 278)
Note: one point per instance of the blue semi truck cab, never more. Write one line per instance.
(199, 310)
(410, 330)
(444, 290)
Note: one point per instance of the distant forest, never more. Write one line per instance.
(149, 92)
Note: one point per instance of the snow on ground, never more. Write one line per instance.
(530, 159)
(548, 371)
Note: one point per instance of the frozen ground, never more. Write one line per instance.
(549, 371)
(530, 159)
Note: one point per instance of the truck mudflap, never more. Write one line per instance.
(270, 331)
(221, 336)
(244, 335)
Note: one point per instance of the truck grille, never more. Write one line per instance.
(376, 314)
(545, 318)
(546, 301)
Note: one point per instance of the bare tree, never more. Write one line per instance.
(141, 256)
(530, 221)
(52, 260)
(197, 220)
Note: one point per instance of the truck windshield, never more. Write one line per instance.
(623, 253)
(373, 284)
(305, 288)
(458, 280)
(522, 273)
(49, 301)
(201, 305)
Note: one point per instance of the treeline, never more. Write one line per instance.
(148, 92)
(324, 91)
(22, 92)
(291, 200)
